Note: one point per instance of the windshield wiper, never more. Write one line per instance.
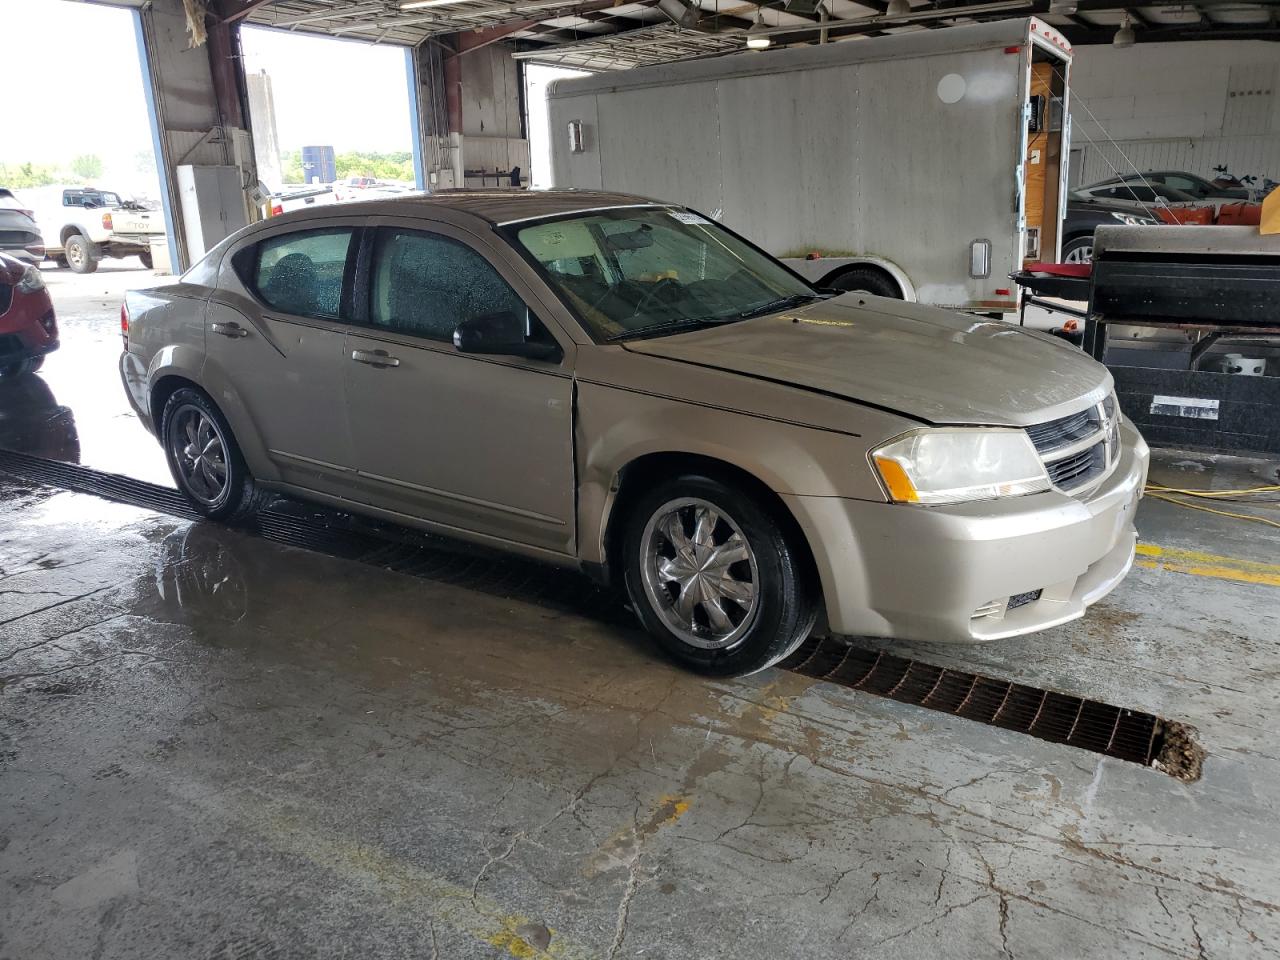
(774, 306)
(670, 326)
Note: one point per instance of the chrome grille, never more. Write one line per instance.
(1080, 449)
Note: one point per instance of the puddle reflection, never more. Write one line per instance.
(32, 421)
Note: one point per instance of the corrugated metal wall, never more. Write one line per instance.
(1257, 156)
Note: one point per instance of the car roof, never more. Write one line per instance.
(492, 206)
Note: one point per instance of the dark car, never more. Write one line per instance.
(1084, 215)
(28, 327)
(19, 235)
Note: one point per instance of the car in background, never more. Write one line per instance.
(19, 235)
(28, 326)
(626, 387)
(351, 188)
(289, 200)
(1084, 215)
(84, 225)
(1174, 185)
(1134, 195)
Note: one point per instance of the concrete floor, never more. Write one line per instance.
(215, 747)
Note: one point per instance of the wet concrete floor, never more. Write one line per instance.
(213, 746)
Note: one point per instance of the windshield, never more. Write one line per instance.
(638, 271)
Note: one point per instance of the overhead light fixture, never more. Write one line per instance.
(423, 4)
(898, 8)
(679, 13)
(1063, 8)
(1124, 36)
(757, 39)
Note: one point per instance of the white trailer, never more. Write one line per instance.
(926, 165)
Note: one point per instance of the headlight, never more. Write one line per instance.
(32, 280)
(950, 465)
(1130, 220)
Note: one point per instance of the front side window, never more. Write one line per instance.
(302, 273)
(425, 284)
(638, 272)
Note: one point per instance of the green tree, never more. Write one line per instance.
(22, 175)
(87, 166)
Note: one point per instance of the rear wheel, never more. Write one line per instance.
(204, 458)
(866, 280)
(79, 254)
(146, 259)
(1078, 250)
(715, 578)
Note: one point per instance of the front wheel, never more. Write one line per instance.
(79, 254)
(715, 578)
(1079, 250)
(204, 458)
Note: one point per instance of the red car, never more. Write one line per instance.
(28, 328)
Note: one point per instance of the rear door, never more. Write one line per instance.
(274, 346)
(482, 444)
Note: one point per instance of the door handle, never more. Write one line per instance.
(375, 358)
(230, 329)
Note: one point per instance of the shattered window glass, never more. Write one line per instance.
(301, 273)
(426, 285)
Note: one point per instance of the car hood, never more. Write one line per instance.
(929, 364)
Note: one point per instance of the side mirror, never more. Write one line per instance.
(503, 334)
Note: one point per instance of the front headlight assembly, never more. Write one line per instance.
(952, 465)
(32, 279)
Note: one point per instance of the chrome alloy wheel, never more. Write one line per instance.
(1081, 254)
(200, 454)
(699, 573)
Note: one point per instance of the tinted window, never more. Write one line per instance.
(426, 284)
(1186, 185)
(301, 273)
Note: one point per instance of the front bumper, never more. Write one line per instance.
(921, 573)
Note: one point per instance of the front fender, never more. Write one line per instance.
(617, 427)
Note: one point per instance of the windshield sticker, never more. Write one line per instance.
(684, 216)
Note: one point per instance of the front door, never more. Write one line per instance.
(482, 444)
(274, 344)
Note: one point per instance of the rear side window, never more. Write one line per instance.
(426, 284)
(302, 273)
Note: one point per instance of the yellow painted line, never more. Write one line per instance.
(1154, 557)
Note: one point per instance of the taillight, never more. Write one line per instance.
(106, 221)
(124, 324)
(276, 209)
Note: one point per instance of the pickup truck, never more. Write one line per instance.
(84, 225)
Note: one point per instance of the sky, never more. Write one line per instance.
(351, 95)
(536, 79)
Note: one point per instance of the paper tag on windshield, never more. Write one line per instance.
(684, 216)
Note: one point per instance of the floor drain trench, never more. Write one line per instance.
(1102, 728)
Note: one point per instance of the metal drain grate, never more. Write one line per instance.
(1057, 717)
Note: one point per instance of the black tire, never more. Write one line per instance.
(61, 262)
(147, 261)
(866, 280)
(239, 496)
(21, 368)
(1078, 250)
(79, 254)
(785, 608)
